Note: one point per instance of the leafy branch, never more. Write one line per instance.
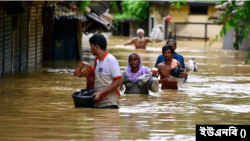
(82, 5)
(132, 9)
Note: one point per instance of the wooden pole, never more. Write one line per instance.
(205, 32)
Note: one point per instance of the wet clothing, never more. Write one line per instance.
(130, 79)
(177, 56)
(90, 74)
(106, 70)
(142, 70)
(109, 107)
(174, 63)
(133, 87)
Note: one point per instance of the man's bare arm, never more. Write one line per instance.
(148, 39)
(163, 80)
(130, 42)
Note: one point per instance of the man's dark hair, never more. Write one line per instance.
(171, 40)
(100, 40)
(167, 47)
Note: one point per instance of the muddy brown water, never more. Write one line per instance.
(36, 104)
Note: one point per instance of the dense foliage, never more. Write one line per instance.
(114, 8)
(129, 10)
(240, 21)
(82, 5)
(132, 10)
(235, 16)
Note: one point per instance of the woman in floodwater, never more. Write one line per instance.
(129, 76)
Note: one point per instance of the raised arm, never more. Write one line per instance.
(148, 39)
(130, 42)
(79, 68)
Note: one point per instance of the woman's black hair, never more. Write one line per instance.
(100, 40)
(167, 47)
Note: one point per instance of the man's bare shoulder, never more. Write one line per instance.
(160, 65)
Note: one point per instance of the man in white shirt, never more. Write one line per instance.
(107, 74)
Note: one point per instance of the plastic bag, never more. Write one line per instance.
(176, 79)
(191, 66)
(151, 82)
(145, 77)
(176, 71)
(157, 33)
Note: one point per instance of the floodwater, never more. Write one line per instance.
(36, 105)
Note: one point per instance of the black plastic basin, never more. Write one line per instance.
(83, 101)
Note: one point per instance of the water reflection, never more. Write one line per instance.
(36, 104)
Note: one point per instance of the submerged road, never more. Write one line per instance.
(36, 104)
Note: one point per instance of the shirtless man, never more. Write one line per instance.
(140, 41)
(164, 68)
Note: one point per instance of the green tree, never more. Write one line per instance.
(82, 5)
(130, 10)
(133, 10)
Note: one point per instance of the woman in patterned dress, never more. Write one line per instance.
(129, 76)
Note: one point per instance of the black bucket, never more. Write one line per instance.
(83, 101)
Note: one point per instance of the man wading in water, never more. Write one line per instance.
(164, 68)
(140, 41)
(107, 74)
